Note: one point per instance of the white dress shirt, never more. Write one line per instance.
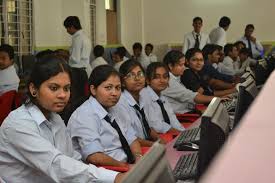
(117, 65)
(8, 80)
(97, 62)
(152, 57)
(34, 149)
(154, 114)
(218, 36)
(80, 51)
(180, 98)
(91, 133)
(190, 40)
(126, 113)
(257, 47)
(227, 66)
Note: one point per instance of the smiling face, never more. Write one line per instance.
(108, 92)
(134, 81)
(196, 62)
(53, 94)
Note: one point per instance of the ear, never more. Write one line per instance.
(170, 66)
(93, 90)
(32, 90)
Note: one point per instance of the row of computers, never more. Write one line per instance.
(205, 141)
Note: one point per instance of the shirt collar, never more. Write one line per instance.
(152, 94)
(77, 33)
(177, 78)
(100, 111)
(36, 114)
(194, 33)
(130, 99)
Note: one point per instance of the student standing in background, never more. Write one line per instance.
(218, 35)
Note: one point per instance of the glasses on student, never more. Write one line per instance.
(132, 75)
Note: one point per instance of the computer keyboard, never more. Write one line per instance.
(186, 167)
(230, 105)
(192, 135)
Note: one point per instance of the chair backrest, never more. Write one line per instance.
(6, 104)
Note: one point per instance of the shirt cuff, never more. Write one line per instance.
(102, 174)
(91, 148)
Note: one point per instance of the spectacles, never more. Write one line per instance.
(132, 75)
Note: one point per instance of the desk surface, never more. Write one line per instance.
(172, 154)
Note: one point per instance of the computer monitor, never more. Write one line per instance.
(247, 92)
(214, 131)
(153, 167)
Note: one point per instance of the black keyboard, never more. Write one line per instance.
(192, 135)
(230, 104)
(186, 167)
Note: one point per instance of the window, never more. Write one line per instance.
(93, 21)
(16, 25)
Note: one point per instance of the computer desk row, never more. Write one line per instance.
(171, 153)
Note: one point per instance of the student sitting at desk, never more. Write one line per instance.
(157, 108)
(8, 77)
(34, 144)
(130, 108)
(181, 99)
(96, 133)
(227, 65)
(193, 80)
(212, 54)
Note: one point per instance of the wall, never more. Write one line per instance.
(130, 22)
(168, 21)
(49, 15)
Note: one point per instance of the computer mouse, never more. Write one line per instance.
(188, 146)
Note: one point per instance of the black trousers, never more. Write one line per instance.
(79, 81)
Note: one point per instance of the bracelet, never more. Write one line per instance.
(138, 155)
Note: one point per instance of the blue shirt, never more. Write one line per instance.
(154, 114)
(35, 149)
(126, 113)
(208, 71)
(90, 132)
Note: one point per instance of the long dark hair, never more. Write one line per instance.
(49, 66)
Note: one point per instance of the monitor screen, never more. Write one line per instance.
(247, 92)
(214, 131)
(153, 167)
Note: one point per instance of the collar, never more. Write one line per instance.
(177, 78)
(77, 33)
(130, 99)
(153, 94)
(37, 115)
(194, 33)
(100, 110)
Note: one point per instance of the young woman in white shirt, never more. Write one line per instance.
(181, 99)
(34, 144)
(157, 108)
(130, 109)
(96, 132)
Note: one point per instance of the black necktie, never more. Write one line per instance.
(145, 124)
(124, 143)
(163, 111)
(197, 41)
(249, 47)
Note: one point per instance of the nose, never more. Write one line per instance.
(63, 94)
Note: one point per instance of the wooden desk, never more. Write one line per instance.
(172, 154)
